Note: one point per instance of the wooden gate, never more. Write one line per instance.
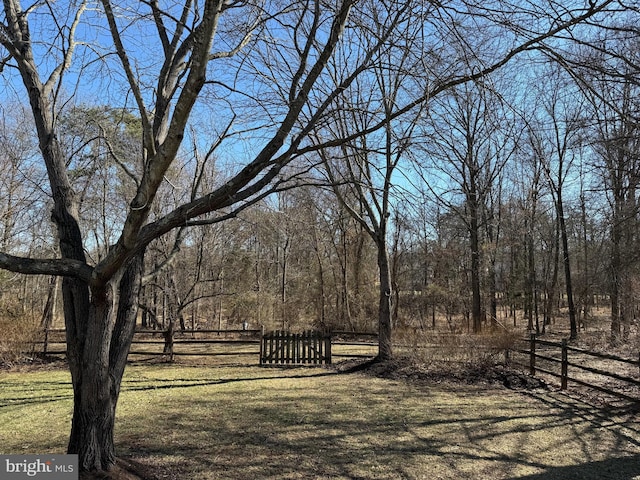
(295, 348)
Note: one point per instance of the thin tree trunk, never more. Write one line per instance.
(48, 312)
(531, 280)
(476, 304)
(551, 293)
(616, 271)
(321, 286)
(573, 325)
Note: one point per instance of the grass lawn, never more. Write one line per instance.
(225, 422)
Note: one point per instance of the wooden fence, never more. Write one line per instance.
(347, 344)
(295, 348)
(569, 364)
(149, 343)
(584, 367)
(236, 344)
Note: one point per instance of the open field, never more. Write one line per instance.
(239, 422)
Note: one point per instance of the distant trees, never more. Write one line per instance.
(471, 137)
(609, 78)
(22, 230)
(605, 67)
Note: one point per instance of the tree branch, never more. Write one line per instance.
(65, 267)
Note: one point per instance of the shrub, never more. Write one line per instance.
(429, 347)
(19, 332)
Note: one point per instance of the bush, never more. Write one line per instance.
(429, 347)
(19, 332)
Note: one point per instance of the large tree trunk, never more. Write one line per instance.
(97, 346)
(385, 347)
(101, 346)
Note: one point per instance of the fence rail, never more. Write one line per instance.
(222, 343)
(558, 361)
(149, 343)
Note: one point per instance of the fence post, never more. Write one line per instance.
(319, 347)
(327, 349)
(565, 365)
(296, 348)
(46, 341)
(532, 354)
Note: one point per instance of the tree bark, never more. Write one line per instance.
(385, 347)
(94, 408)
(476, 303)
(573, 325)
(102, 346)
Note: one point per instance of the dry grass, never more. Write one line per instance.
(197, 423)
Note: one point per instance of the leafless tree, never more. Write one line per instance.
(471, 139)
(556, 147)
(612, 95)
(100, 300)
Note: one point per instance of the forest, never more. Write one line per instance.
(358, 165)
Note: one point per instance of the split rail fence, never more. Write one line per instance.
(606, 373)
(593, 370)
(243, 345)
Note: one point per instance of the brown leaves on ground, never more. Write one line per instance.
(477, 373)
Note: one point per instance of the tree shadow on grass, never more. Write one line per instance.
(51, 391)
(346, 427)
(177, 383)
(44, 392)
(621, 468)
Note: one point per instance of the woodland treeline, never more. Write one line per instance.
(520, 189)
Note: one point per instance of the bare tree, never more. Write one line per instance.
(556, 148)
(531, 205)
(361, 175)
(469, 144)
(95, 295)
(362, 171)
(613, 108)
